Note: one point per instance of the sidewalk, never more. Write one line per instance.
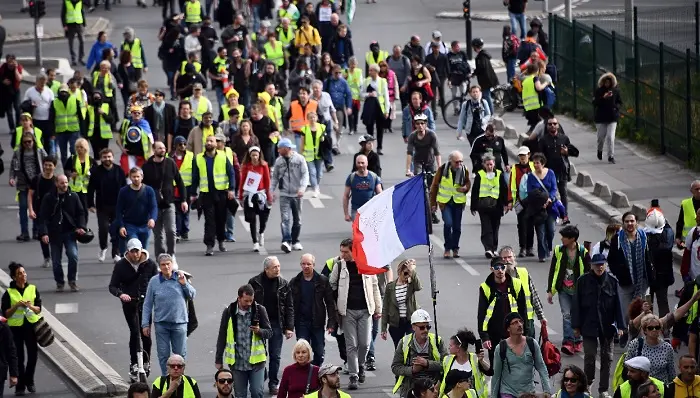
(21, 30)
(504, 17)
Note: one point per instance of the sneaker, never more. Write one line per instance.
(567, 348)
(286, 247)
(605, 394)
(23, 238)
(565, 221)
(210, 251)
(297, 246)
(578, 347)
(31, 388)
(261, 240)
(611, 160)
(274, 390)
(256, 247)
(177, 238)
(222, 247)
(317, 192)
(47, 263)
(361, 376)
(60, 287)
(353, 383)
(101, 255)
(447, 254)
(116, 258)
(455, 253)
(530, 253)
(435, 220)
(73, 287)
(134, 372)
(522, 253)
(329, 168)
(599, 154)
(370, 364)
(345, 368)
(488, 254)
(185, 236)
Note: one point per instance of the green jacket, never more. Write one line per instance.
(390, 309)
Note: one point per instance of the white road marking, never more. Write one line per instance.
(440, 244)
(66, 308)
(246, 226)
(549, 330)
(388, 392)
(316, 203)
(110, 343)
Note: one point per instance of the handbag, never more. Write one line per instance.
(43, 332)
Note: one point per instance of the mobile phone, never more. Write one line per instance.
(478, 346)
(255, 323)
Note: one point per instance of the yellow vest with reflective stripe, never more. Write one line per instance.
(66, 115)
(37, 137)
(490, 188)
(202, 108)
(106, 89)
(381, 56)
(145, 141)
(381, 86)
(105, 128)
(17, 319)
(286, 38)
(225, 108)
(626, 388)
(448, 189)
(78, 94)
(531, 100)
(558, 254)
(197, 67)
(193, 12)
(311, 146)
(136, 53)
(187, 392)
(186, 169)
(54, 86)
(481, 388)
(257, 347)
(405, 341)
(688, 216)
(524, 277)
(317, 394)
(514, 185)
(220, 176)
(517, 286)
(80, 182)
(228, 152)
(274, 54)
(74, 14)
(276, 106)
(354, 79)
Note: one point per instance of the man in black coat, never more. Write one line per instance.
(557, 148)
(8, 356)
(483, 70)
(161, 117)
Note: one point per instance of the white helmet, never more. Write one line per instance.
(420, 316)
(420, 118)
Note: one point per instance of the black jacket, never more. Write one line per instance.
(323, 300)
(169, 116)
(618, 263)
(550, 145)
(373, 163)
(496, 329)
(160, 176)
(502, 195)
(285, 303)
(104, 186)
(126, 280)
(3, 36)
(409, 51)
(607, 109)
(341, 57)
(596, 306)
(60, 213)
(483, 70)
(661, 249)
(8, 353)
(438, 66)
(258, 313)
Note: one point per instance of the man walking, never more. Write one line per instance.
(329, 380)
(136, 210)
(290, 176)
(532, 299)
(106, 181)
(449, 192)
(73, 21)
(557, 148)
(360, 186)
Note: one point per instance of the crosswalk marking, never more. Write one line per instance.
(66, 308)
(440, 244)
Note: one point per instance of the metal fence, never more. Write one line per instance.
(660, 86)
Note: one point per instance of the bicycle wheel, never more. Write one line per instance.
(501, 101)
(450, 112)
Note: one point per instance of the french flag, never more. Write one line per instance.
(389, 224)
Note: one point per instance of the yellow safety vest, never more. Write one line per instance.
(274, 54)
(197, 67)
(311, 146)
(206, 132)
(515, 184)
(74, 14)
(145, 144)
(228, 152)
(186, 169)
(257, 347)
(105, 128)
(163, 382)
(201, 107)
(80, 183)
(531, 100)
(136, 50)
(693, 311)
(524, 277)
(517, 286)
(481, 388)
(317, 394)
(220, 176)
(17, 319)
(193, 12)
(330, 263)
(276, 106)
(37, 136)
(225, 108)
(558, 254)
(54, 86)
(78, 94)
(286, 14)
(381, 56)
(490, 188)
(688, 216)
(354, 79)
(107, 88)
(405, 341)
(626, 388)
(66, 116)
(448, 189)
(381, 85)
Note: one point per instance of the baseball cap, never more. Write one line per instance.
(523, 150)
(180, 139)
(497, 261)
(64, 87)
(220, 137)
(598, 259)
(197, 86)
(437, 34)
(639, 363)
(328, 369)
(365, 138)
(286, 143)
(133, 244)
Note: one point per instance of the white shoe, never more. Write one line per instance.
(286, 247)
(256, 247)
(116, 258)
(297, 246)
(261, 240)
(317, 192)
(101, 255)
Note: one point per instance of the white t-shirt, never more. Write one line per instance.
(694, 247)
(467, 367)
(42, 101)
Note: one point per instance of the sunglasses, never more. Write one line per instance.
(426, 327)
(176, 365)
(657, 327)
(499, 267)
(28, 142)
(225, 381)
(570, 380)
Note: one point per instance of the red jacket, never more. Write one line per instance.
(520, 171)
(16, 82)
(261, 169)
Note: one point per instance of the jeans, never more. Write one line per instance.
(517, 19)
(255, 11)
(290, 211)
(357, 327)
(73, 31)
(510, 69)
(452, 231)
(23, 217)
(590, 348)
(254, 378)
(545, 236)
(182, 221)
(133, 313)
(169, 334)
(170, 76)
(220, 98)
(397, 332)
(375, 332)
(565, 302)
(56, 244)
(563, 194)
(275, 351)
(230, 226)
(164, 231)
(13, 112)
(105, 219)
(486, 94)
(315, 172)
(626, 294)
(63, 140)
(606, 134)
(316, 337)
(141, 233)
(490, 225)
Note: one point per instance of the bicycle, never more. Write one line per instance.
(452, 118)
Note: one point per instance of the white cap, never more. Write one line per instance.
(639, 363)
(523, 150)
(132, 244)
(655, 222)
(420, 316)
(437, 34)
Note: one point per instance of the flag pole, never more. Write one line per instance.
(429, 229)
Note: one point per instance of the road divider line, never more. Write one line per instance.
(246, 226)
(439, 243)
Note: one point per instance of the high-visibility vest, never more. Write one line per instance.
(330, 263)
(218, 62)
(136, 50)
(292, 17)
(220, 176)
(275, 107)
(286, 37)
(197, 66)
(317, 394)
(78, 94)
(202, 107)
(531, 100)
(354, 79)
(381, 86)
(206, 132)
(225, 108)
(517, 287)
(693, 311)
(515, 184)
(74, 13)
(274, 54)
(35, 131)
(66, 115)
(688, 216)
(228, 152)
(481, 388)
(54, 86)
(145, 144)
(105, 128)
(17, 319)
(107, 89)
(311, 146)
(406, 341)
(162, 383)
(381, 56)
(80, 183)
(186, 169)
(558, 254)
(490, 188)
(298, 114)
(193, 12)
(257, 346)
(626, 387)
(524, 277)
(448, 189)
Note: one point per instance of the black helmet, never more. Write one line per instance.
(85, 238)
(478, 42)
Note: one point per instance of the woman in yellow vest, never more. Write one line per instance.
(21, 305)
(312, 135)
(375, 110)
(461, 359)
(489, 199)
(458, 384)
(27, 126)
(355, 79)
(100, 123)
(77, 168)
(231, 103)
(574, 383)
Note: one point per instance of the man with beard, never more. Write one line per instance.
(183, 124)
(329, 379)
(224, 383)
(489, 142)
(103, 189)
(272, 75)
(197, 136)
(161, 173)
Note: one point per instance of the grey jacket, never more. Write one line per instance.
(466, 115)
(390, 309)
(22, 178)
(290, 175)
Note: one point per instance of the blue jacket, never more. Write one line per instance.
(340, 93)
(407, 120)
(135, 207)
(95, 56)
(165, 300)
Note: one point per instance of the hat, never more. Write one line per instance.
(366, 138)
(510, 318)
(64, 87)
(497, 261)
(180, 139)
(254, 148)
(133, 244)
(286, 143)
(136, 108)
(197, 86)
(598, 259)
(220, 137)
(655, 222)
(639, 363)
(265, 97)
(328, 369)
(190, 68)
(420, 316)
(232, 92)
(159, 92)
(523, 150)
(27, 115)
(456, 376)
(437, 34)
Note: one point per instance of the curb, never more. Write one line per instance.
(92, 376)
(503, 17)
(100, 24)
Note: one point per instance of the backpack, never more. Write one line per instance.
(503, 345)
(511, 45)
(550, 97)
(620, 374)
(550, 353)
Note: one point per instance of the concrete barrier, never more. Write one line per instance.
(619, 200)
(510, 133)
(572, 169)
(498, 123)
(602, 190)
(640, 212)
(583, 179)
(64, 71)
(522, 137)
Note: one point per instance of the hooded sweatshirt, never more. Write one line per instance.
(678, 389)
(290, 175)
(132, 278)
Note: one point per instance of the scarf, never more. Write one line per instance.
(458, 177)
(637, 268)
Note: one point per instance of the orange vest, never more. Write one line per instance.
(298, 119)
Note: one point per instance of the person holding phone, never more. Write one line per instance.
(399, 301)
(607, 102)
(460, 359)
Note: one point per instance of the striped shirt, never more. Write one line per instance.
(401, 291)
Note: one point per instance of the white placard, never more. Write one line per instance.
(324, 14)
(252, 181)
(40, 31)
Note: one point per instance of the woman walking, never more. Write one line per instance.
(393, 83)
(26, 164)
(400, 301)
(541, 193)
(244, 140)
(77, 168)
(256, 199)
(301, 377)
(129, 77)
(489, 199)
(461, 359)
(607, 102)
